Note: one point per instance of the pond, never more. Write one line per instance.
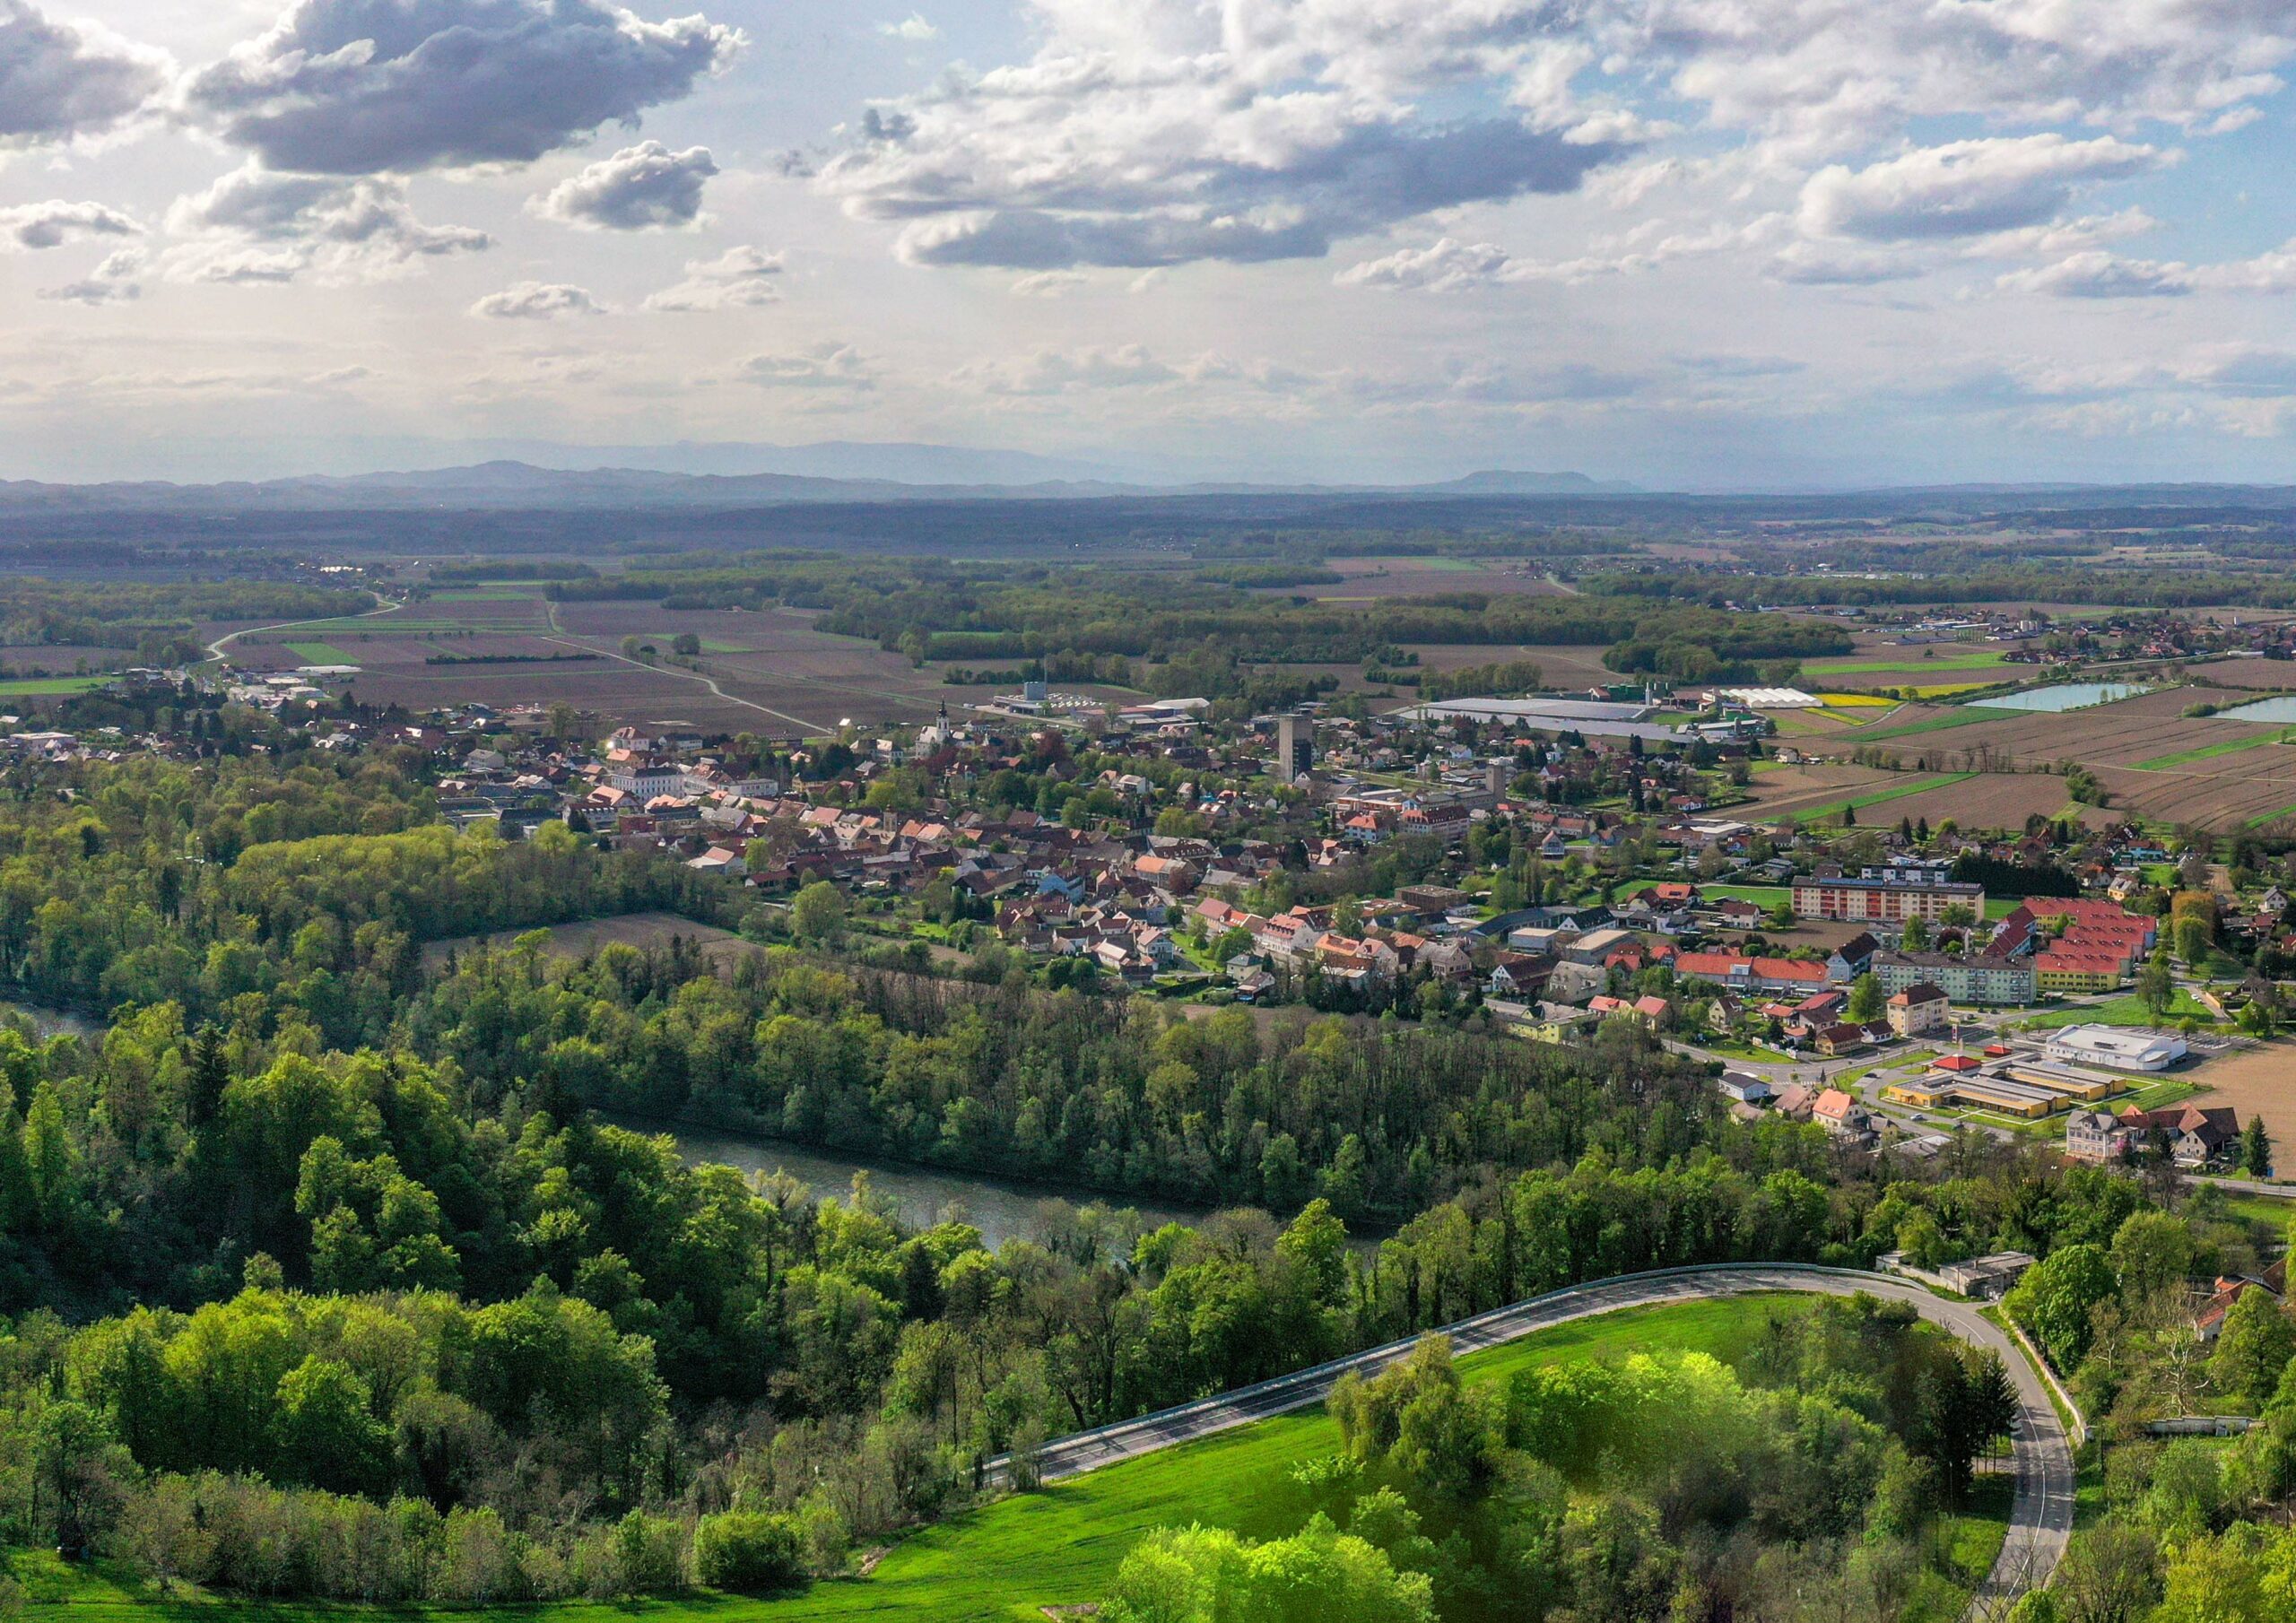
(999, 1208)
(2067, 696)
(2272, 710)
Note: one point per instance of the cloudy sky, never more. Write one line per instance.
(1690, 243)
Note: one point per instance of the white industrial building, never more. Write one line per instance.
(2114, 1048)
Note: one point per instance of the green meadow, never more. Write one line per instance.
(1009, 1560)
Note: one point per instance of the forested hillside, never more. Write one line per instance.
(321, 1278)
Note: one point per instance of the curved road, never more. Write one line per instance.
(215, 650)
(2041, 1520)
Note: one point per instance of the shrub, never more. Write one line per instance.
(745, 1551)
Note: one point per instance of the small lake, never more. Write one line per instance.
(2275, 711)
(1001, 1209)
(2067, 696)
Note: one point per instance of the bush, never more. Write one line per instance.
(647, 1556)
(745, 1551)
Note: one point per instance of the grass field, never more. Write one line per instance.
(483, 594)
(1761, 895)
(1982, 659)
(34, 687)
(2208, 752)
(320, 654)
(2271, 817)
(1965, 715)
(1006, 1562)
(1858, 803)
(2129, 1011)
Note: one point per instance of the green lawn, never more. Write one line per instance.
(1969, 1542)
(1979, 659)
(2156, 1096)
(33, 686)
(2126, 1011)
(1880, 796)
(1761, 895)
(1003, 1563)
(1961, 716)
(320, 654)
(2207, 752)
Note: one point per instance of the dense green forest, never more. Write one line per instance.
(321, 1278)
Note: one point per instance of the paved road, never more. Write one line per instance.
(221, 644)
(2041, 1520)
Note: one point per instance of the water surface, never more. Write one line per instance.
(2273, 710)
(2067, 696)
(1001, 1209)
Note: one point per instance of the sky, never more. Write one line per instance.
(1691, 244)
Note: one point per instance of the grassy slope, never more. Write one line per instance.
(1004, 1562)
(321, 652)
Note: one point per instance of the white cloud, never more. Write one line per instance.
(2064, 236)
(358, 86)
(642, 187)
(739, 278)
(826, 366)
(2098, 275)
(537, 301)
(116, 280)
(53, 223)
(1446, 267)
(1965, 189)
(1049, 284)
(914, 29)
(1824, 76)
(1162, 131)
(1815, 264)
(255, 225)
(61, 81)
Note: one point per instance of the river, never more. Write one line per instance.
(1000, 1208)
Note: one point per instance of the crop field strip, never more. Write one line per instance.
(2184, 758)
(1859, 803)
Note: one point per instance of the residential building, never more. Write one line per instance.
(2197, 1136)
(1882, 901)
(1919, 1010)
(1842, 1116)
(1988, 982)
(2098, 1136)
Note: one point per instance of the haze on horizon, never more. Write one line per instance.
(1684, 243)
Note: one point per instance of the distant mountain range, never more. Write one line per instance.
(523, 485)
